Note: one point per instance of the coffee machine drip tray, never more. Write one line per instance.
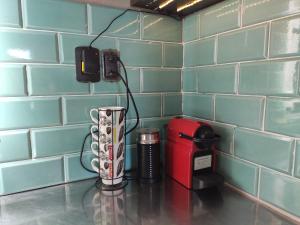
(206, 180)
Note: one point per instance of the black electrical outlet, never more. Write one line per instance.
(87, 64)
(110, 65)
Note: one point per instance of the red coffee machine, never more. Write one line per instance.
(189, 154)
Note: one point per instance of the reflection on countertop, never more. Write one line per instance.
(163, 203)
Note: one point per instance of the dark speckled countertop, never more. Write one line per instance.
(163, 203)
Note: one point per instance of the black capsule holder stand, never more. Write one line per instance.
(99, 184)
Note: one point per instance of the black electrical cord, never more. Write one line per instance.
(135, 108)
(111, 22)
(121, 14)
(128, 93)
(131, 96)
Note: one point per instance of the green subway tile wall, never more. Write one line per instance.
(199, 52)
(198, 105)
(12, 80)
(239, 173)
(65, 16)
(297, 162)
(54, 80)
(217, 79)
(10, 13)
(269, 78)
(246, 85)
(21, 46)
(173, 54)
(221, 17)
(14, 145)
(161, 28)
(128, 25)
(44, 111)
(156, 80)
(285, 195)
(284, 40)
(273, 151)
(240, 73)
(243, 45)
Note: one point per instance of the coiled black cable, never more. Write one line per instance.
(131, 96)
(128, 94)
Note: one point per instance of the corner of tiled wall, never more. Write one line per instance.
(241, 65)
(241, 75)
(45, 112)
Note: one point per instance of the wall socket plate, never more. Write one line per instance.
(110, 64)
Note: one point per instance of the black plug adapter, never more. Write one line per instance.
(87, 64)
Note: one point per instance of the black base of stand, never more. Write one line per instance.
(104, 187)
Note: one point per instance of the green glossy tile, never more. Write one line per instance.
(68, 43)
(58, 140)
(131, 157)
(280, 190)
(238, 173)
(54, 80)
(31, 174)
(148, 105)
(157, 123)
(190, 27)
(172, 104)
(225, 144)
(240, 110)
(257, 10)
(219, 79)
(173, 55)
(77, 109)
(155, 80)
(107, 87)
(127, 26)
(27, 46)
(269, 150)
(282, 116)
(220, 17)
(199, 53)
(14, 145)
(29, 112)
(269, 78)
(198, 105)
(297, 159)
(73, 169)
(189, 80)
(12, 80)
(284, 39)
(10, 13)
(161, 28)
(55, 15)
(141, 53)
(131, 137)
(246, 44)
(1, 185)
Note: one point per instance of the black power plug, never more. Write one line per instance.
(110, 64)
(87, 64)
